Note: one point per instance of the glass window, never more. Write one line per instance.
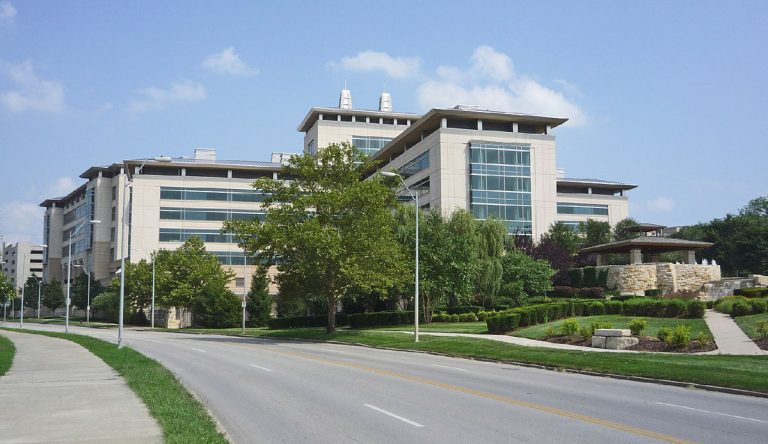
(587, 209)
(370, 145)
(420, 163)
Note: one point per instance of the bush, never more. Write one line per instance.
(614, 307)
(310, 321)
(592, 293)
(664, 333)
(636, 326)
(595, 308)
(759, 306)
(464, 309)
(503, 323)
(741, 309)
(590, 277)
(674, 308)
(217, 308)
(107, 305)
(762, 328)
(453, 318)
(725, 305)
(586, 332)
(704, 339)
(602, 278)
(696, 309)
(680, 337)
(653, 293)
(481, 315)
(710, 304)
(569, 327)
(751, 292)
(563, 292)
(439, 317)
(468, 317)
(138, 318)
(576, 277)
(550, 331)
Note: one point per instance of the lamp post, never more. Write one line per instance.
(5, 299)
(88, 295)
(415, 197)
(152, 308)
(128, 183)
(245, 273)
(69, 270)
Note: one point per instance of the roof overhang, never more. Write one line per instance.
(595, 183)
(647, 244)
(314, 114)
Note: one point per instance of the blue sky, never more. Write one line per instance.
(668, 95)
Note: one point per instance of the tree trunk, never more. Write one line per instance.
(331, 325)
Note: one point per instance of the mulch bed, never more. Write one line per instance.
(762, 343)
(647, 343)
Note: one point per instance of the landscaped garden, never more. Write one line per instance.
(749, 310)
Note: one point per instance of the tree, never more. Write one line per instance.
(556, 255)
(595, 232)
(183, 276)
(54, 295)
(521, 271)
(619, 231)
(106, 304)
(565, 236)
(216, 307)
(491, 234)
(7, 292)
(138, 285)
(30, 291)
(79, 290)
(259, 301)
(328, 230)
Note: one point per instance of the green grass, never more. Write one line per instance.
(617, 321)
(748, 324)
(742, 372)
(76, 321)
(181, 416)
(7, 350)
(479, 327)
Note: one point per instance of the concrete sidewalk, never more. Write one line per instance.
(57, 391)
(729, 337)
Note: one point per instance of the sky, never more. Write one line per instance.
(670, 96)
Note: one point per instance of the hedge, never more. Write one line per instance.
(756, 292)
(381, 318)
(305, 321)
(503, 323)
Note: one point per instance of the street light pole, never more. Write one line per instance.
(88, 296)
(154, 258)
(245, 273)
(415, 197)
(21, 319)
(69, 270)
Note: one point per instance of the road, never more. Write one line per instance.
(265, 390)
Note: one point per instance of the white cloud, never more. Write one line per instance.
(21, 221)
(63, 186)
(158, 98)
(228, 62)
(662, 204)
(7, 12)
(492, 83)
(366, 61)
(32, 93)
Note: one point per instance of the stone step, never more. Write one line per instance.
(612, 332)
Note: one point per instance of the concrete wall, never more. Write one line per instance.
(618, 207)
(665, 276)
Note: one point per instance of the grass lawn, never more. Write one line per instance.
(479, 327)
(749, 323)
(744, 372)
(182, 418)
(7, 350)
(617, 321)
(75, 321)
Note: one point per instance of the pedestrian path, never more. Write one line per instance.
(57, 391)
(730, 339)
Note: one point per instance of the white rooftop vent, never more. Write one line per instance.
(205, 153)
(281, 158)
(345, 99)
(385, 102)
(467, 107)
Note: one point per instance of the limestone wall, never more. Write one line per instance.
(760, 280)
(665, 276)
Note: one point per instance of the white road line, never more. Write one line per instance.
(197, 349)
(713, 413)
(156, 342)
(408, 421)
(261, 368)
(452, 368)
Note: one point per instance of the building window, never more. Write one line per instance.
(183, 234)
(215, 194)
(112, 234)
(239, 282)
(370, 145)
(114, 192)
(114, 213)
(421, 162)
(312, 147)
(202, 214)
(80, 212)
(572, 224)
(500, 184)
(585, 209)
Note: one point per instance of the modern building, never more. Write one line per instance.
(166, 200)
(22, 260)
(492, 163)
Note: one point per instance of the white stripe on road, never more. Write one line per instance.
(713, 413)
(452, 368)
(261, 368)
(415, 424)
(197, 349)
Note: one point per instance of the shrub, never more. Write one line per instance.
(439, 317)
(538, 300)
(563, 292)
(674, 308)
(704, 339)
(595, 308)
(569, 327)
(468, 317)
(759, 306)
(636, 326)
(602, 278)
(751, 292)
(710, 304)
(503, 323)
(464, 309)
(592, 293)
(585, 332)
(576, 277)
(379, 319)
(614, 307)
(696, 309)
(654, 292)
(741, 309)
(725, 305)
(217, 308)
(590, 277)
(762, 328)
(595, 325)
(138, 318)
(481, 315)
(550, 331)
(664, 333)
(680, 337)
(453, 318)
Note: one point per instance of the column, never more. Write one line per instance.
(691, 257)
(600, 259)
(635, 256)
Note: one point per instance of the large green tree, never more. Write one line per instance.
(620, 229)
(259, 301)
(328, 230)
(183, 276)
(595, 232)
(491, 234)
(79, 290)
(525, 276)
(30, 291)
(138, 285)
(53, 297)
(7, 292)
(565, 236)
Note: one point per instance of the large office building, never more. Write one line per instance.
(491, 163)
(20, 261)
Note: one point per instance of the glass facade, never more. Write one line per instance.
(204, 214)
(183, 234)
(80, 212)
(420, 163)
(370, 145)
(586, 209)
(230, 257)
(218, 194)
(500, 184)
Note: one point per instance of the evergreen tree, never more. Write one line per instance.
(259, 301)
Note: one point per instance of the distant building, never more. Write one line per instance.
(22, 260)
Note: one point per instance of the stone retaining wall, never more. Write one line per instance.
(667, 277)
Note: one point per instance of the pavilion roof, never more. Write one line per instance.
(647, 244)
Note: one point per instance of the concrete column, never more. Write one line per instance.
(479, 125)
(691, 257)
(635, 256)
(600, 259)
(514, 127)
(444, 123)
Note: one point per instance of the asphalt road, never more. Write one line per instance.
(264, 390)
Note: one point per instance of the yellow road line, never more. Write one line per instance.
(469, 391)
